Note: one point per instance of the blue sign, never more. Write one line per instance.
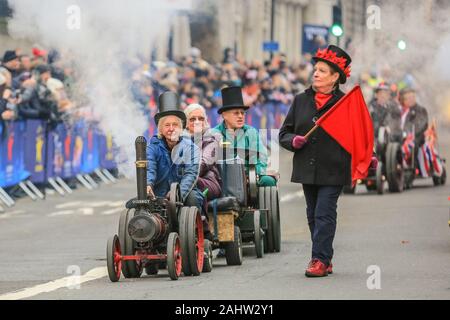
(271, 46)
(314, 37)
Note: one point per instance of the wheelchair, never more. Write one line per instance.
(245, 214)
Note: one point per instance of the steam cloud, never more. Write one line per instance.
(110, 32)
(425, 27)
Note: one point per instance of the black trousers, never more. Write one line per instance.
(321, 210)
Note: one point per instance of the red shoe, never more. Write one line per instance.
(316, 269)
(330, 268)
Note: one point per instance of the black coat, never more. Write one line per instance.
(322, 161)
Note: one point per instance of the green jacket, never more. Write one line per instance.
(247, 139)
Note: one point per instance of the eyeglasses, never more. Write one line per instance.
(193, 119)
(239, 113)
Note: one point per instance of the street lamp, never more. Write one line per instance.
(402, 45)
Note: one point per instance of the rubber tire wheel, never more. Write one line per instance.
(259, 235)
(270, 232)
(379, 178)
(233, 250)
(262, 206)
(196, 254)
(444, 177)
(396, 181)
(275, 214)
(151, 269)
(208, 260)
(183, 219)
(113, 273)
(134, 269)
(122, 238)
(172, 257)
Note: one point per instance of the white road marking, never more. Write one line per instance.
(112, 211)
(91, 275)
(86, 211)
(68, 205)
(61, 213)
(98, 204)
(117, 204)
(14, 213)
(292, 196)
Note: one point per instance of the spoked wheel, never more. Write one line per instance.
(131, 269)
(183, 222)
(113, 261)
(233, 250)
(269, 236)
(259, 235)
(195, 239)
(394, 167)
(380, 178)
(174, 258)
(275, 216)
(208, 259)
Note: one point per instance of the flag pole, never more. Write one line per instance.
(329, 112)
(311, 132)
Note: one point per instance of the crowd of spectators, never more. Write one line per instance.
(40, 85)
(34, 86)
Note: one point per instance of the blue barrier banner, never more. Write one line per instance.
(35, 144)
(90, 156)
(59, 157)
(65, 133)
(12, 153)
(77, 148)
(107, 152)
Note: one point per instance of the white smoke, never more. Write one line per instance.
(109, 32)
(425, 28)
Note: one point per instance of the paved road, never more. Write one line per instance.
(405, 236)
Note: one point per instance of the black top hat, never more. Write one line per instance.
(338, 59)
(169, 106)
(232, 99)
(9, 56)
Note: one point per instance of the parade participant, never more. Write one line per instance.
(414, 118)
(209, 180)
(171, 157)
(242, 136)
(320, 163)
(380, 105)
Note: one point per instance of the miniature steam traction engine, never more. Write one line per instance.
(155, 232)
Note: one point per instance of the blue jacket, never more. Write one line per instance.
(166, 167)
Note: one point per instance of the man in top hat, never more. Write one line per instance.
(241, 136)
(172, 157)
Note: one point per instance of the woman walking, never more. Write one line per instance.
(320, 163)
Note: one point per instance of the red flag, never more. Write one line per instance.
(350, 124)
